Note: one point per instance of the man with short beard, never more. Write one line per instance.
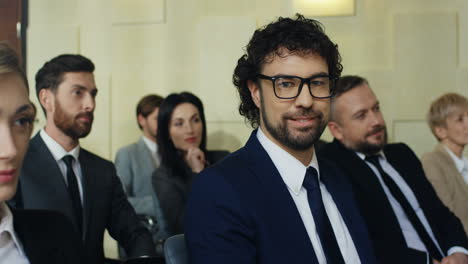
(274, 201)
(406, 220)
(59, 175)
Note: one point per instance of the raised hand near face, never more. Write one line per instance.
(195, 158)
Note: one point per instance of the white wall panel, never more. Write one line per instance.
(218, 58)
(127, 12)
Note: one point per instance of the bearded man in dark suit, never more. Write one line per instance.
(406, 220)
(59, 175)
(274, 200)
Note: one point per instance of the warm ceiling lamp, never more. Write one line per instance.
(324, 7)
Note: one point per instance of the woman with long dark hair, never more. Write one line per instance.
(182, 145)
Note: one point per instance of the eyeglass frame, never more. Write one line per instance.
(303, 81)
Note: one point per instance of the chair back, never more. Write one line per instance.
(175, 251)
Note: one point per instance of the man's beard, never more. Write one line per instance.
(283, 135)
(368, 148)
(70, 125)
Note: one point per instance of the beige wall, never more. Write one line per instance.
(411, 52)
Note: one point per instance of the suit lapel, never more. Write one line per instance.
(88, 185)
(278, 199)
(341, 192)
(40, 159)
(144, 156)
(450, 165)
(362, 175)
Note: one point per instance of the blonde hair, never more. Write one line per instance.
(443, 107)
(9, 63)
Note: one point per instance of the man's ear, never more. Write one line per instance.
(441, 132)
(46, 98)
(254, 92)
(335, 130)
(141, 120)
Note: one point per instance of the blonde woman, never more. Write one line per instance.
(445, 166)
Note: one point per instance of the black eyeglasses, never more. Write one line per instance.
(289, 87)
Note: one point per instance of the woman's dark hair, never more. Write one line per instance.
(170, 156)
(300, 35)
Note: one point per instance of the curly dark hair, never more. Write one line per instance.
(300, 35)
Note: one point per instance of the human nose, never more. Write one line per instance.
(376, 118)
(304, 99)
(188, 127)
(89, 103)
(8, 148)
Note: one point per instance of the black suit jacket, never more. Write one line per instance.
(42, 186)
(382, 222)
(171, 192)
(47, 237)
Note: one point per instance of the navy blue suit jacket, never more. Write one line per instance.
(240, 211)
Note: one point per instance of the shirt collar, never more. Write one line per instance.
(291, 170)
(361, 155)
(58, 152)
(6, 225)
(152, 146)
(459, 163)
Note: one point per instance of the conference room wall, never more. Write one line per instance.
(411, 52)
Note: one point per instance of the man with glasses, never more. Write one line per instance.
(406, 220)
(275, 201)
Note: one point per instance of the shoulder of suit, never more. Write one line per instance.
(331, 151)
(429, 156)
(398, 147)
(216, 155)
(130, 148)
(95, 157)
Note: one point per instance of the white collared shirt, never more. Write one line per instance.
(153, 148)
(460, 163)
(292, 172)
(58, 152)
(411, 236)
(11, 249)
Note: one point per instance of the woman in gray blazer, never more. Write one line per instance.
(182, 145)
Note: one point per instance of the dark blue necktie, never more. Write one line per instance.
(322, 223)
(407, 208)
(74, 192)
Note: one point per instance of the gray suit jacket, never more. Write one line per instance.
(447, 181)
(135, 165)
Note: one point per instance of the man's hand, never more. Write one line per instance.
(455, 258)
(195, 158)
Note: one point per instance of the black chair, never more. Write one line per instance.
(175, 251)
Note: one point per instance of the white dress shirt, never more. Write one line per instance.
(292, 172)
(460, 163)
(58, 152)
(153, 148)
(411, 236)
(11, 249)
